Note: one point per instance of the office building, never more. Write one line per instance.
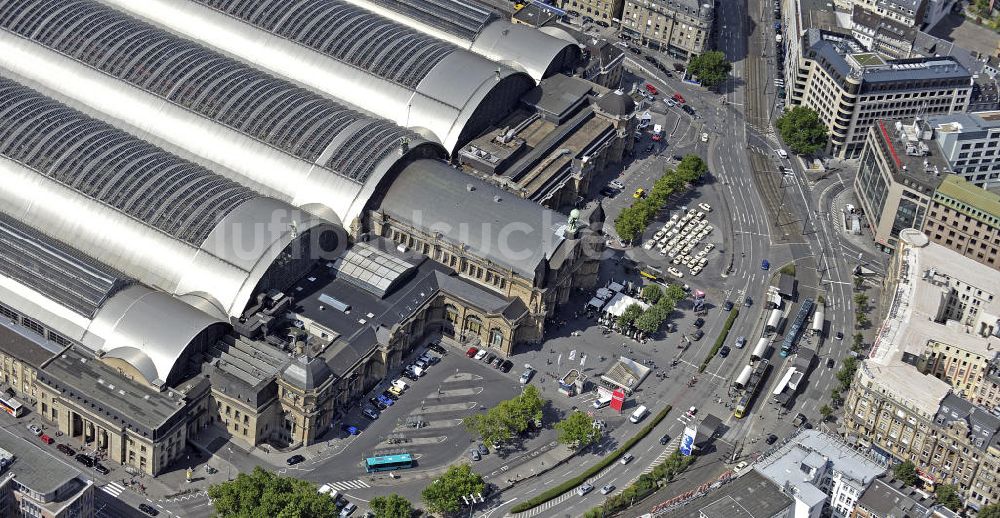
(35, 485)
(971, 144)
(851, 88)
(902, 405)
(818, 470)
(680, 28)
(899, 172)
(966, 219)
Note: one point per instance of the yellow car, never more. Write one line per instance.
(639, 193)
(394, 390)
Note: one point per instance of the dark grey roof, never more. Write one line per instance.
(36, 469)
(86, 381)
(178, 197)
(459, 17)
(59, 272)
(983, 426)
(306, 373)
(346, 33)
(616, 104)
(888, 498)
(224, 90)
(512, 232)
(750, 496)
(24, 345)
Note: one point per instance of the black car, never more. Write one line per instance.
(390, 395)
(66, 449)
(727, 305)
(436, 347)
(688, 109)
(748, 302)
(771, 438)
(377, 404)
(665, 439)
(295, 459)
(496, 363)
(148, 509)
(840, 336)
(651, 60)
(370, 413)
(724, 351)
(678, 158)
(698, 334)
(86, 460)
(587, 19)
(100, 468)
(410, 376)
(699, 322)
(609, 192)
(830, 363)
(634, 50)
(489, 358)
(603, 23)
(506, 366)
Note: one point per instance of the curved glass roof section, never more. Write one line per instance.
(271, 110)
(346, 33)
(55, 270)
(162, 190)
(460, 18)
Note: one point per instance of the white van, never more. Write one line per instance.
(781, 153)
(638, 414)
(400, 385)
(602, 401)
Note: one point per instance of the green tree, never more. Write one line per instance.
(444, 494)
(578, 430)
(859, 341)
(508, 418)
(262, 493)
(691, 168)
(948, 495)
(392, 506)
(990, 511)
(675, 293)
(711, 68)
(630, 223)
(861, 301)
(628, 317)
(858, 282)
(835, 397)
(650, 320)
(906, 472)
(846, 373)
(652, 293)
(825, 411)
(803, 131)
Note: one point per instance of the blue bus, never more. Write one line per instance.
(388, 462)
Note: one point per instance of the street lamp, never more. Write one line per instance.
(229, 464)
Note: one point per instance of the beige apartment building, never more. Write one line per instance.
(851, 88)
(906, 400)
(607, 11)
(966, 219)
(681, 28)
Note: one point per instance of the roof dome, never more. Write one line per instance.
(616, 104)
(306, 373)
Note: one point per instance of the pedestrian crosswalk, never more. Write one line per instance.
(347, 485)
(113, 488)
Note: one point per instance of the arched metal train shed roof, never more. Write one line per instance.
(349, 53)
(161, 220)
(91, 303)
(538, 52)
(303, 148)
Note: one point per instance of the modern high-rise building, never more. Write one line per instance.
(897, 176)
(851, 88)
(681, 28)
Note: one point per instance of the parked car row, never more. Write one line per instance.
(491, 359)
(82, 458)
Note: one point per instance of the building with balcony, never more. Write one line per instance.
(851, 88)
(680, 28)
